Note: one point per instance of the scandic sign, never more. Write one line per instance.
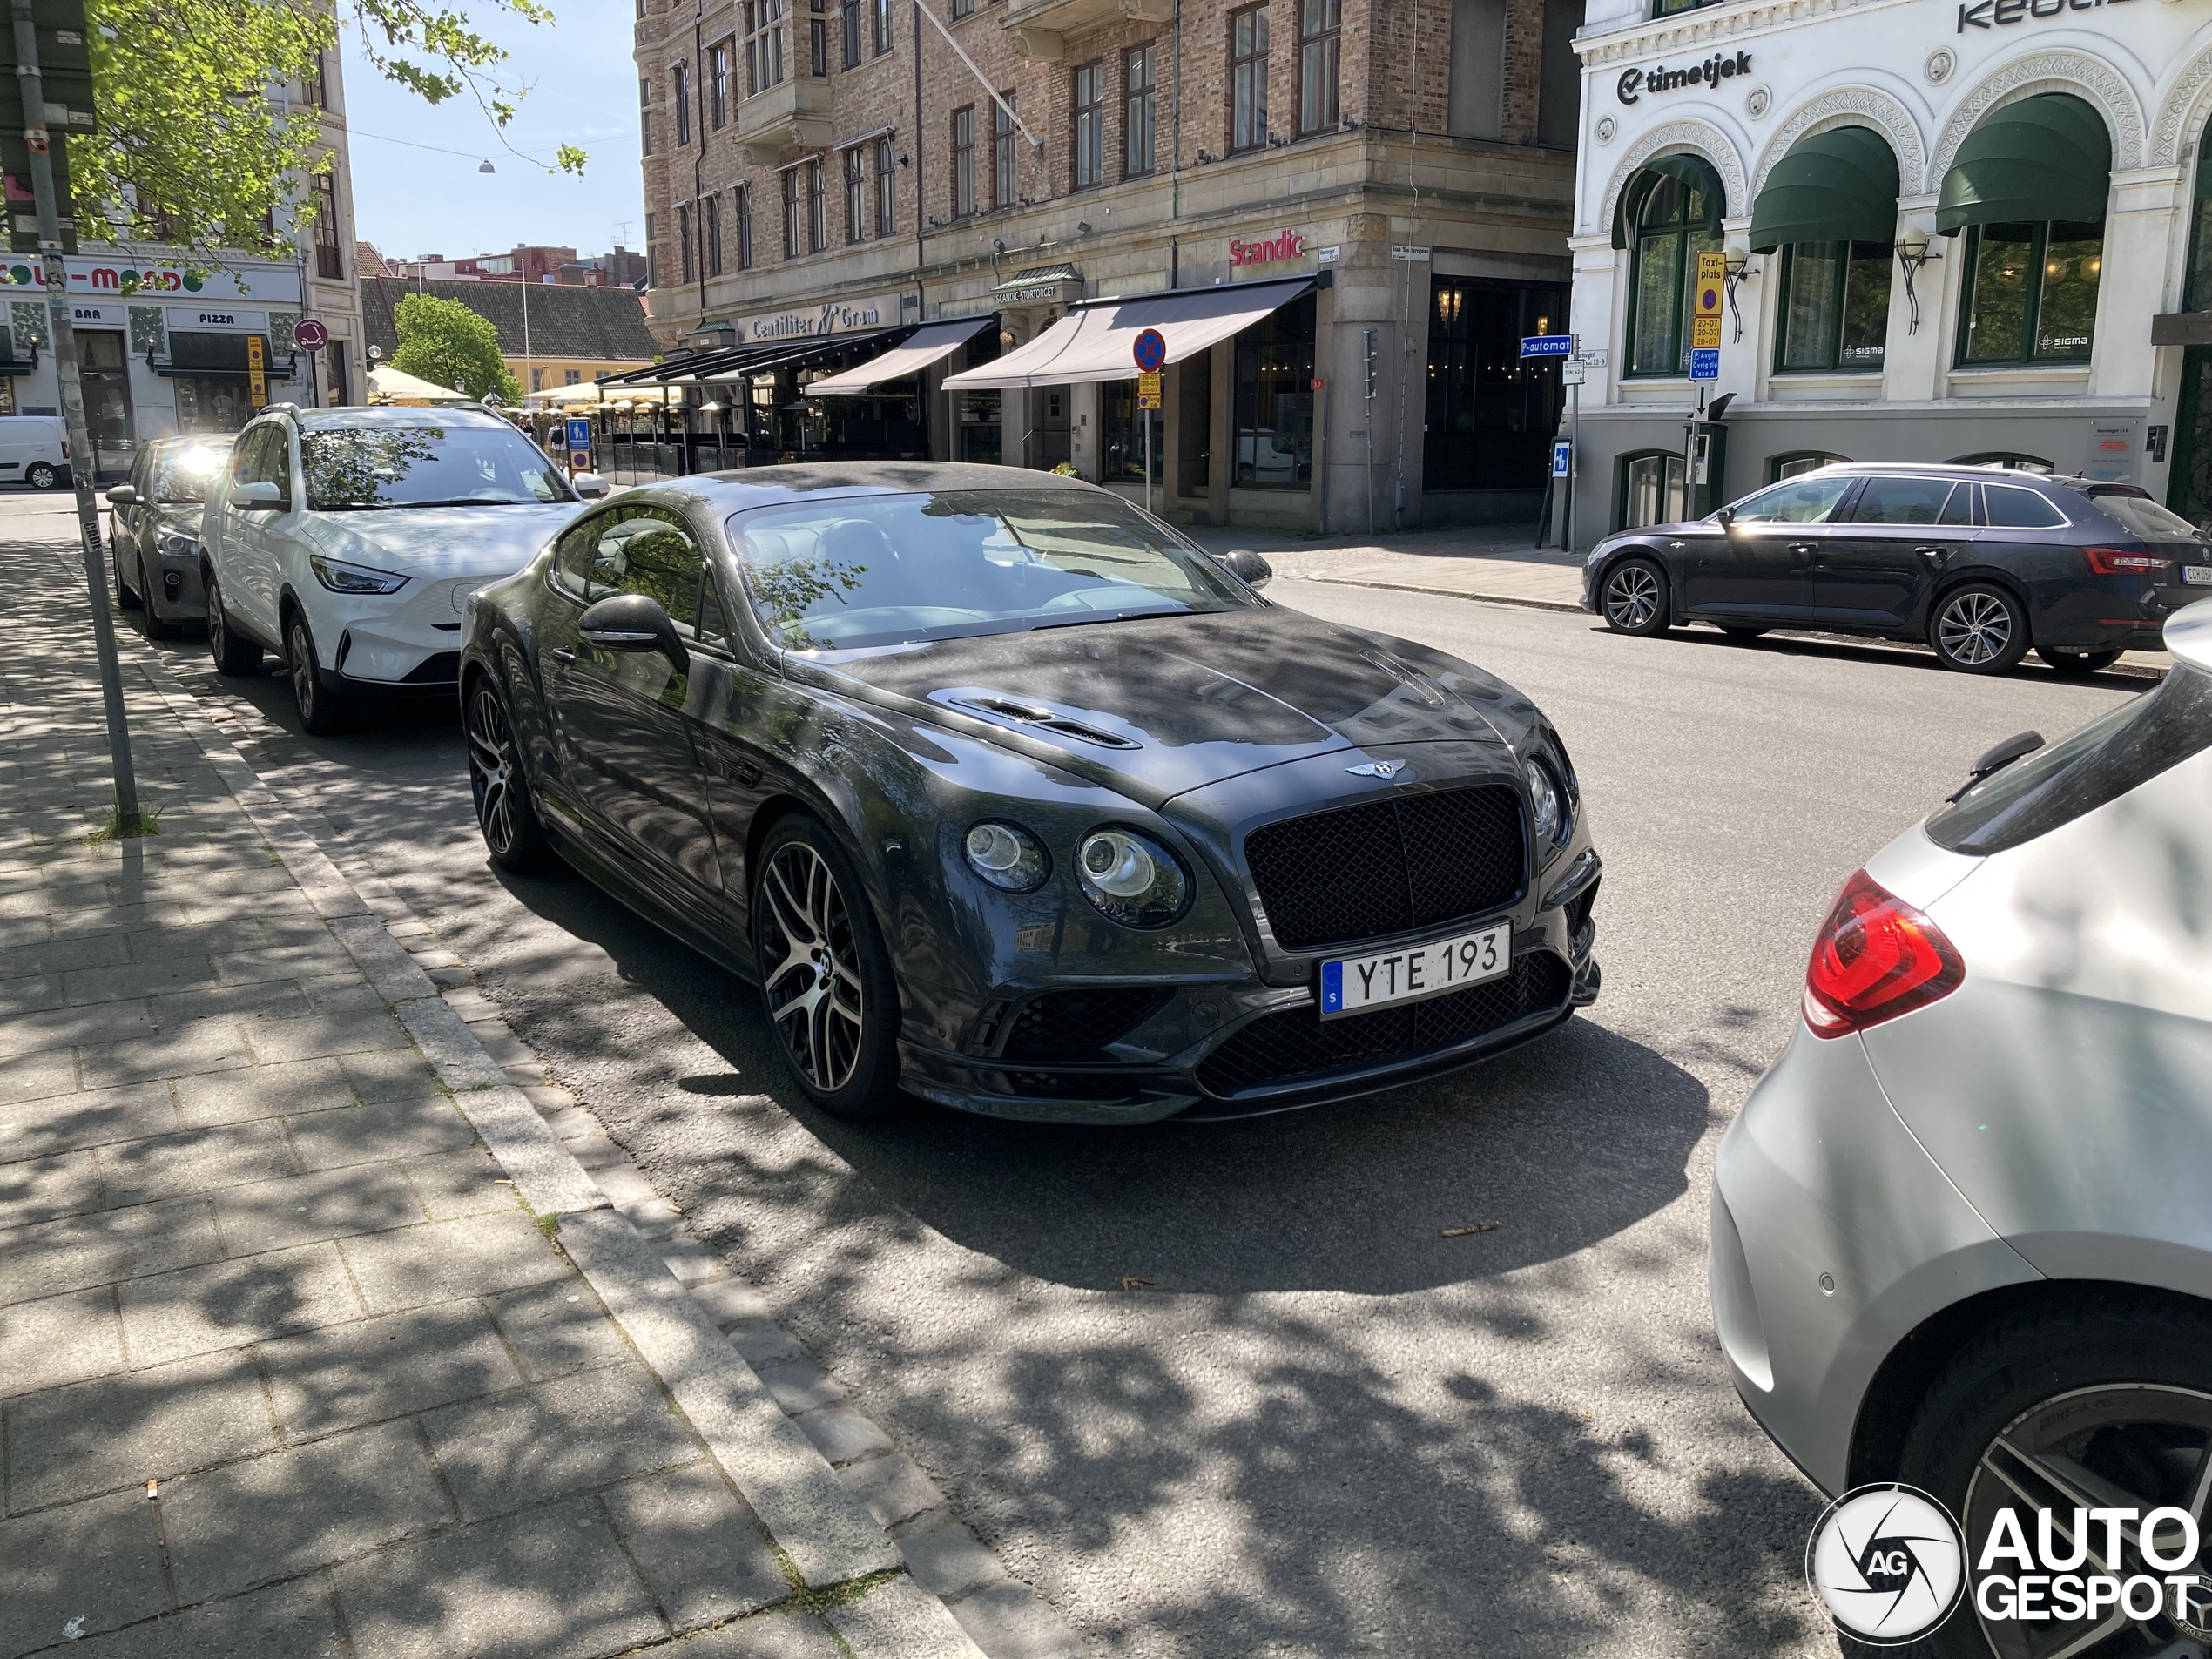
(1289, 245)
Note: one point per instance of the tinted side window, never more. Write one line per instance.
(714, 629)
(1901, 500)
(245, 464)
(572, 556)
(2008, 507)
(651, 552)
(1959, 509)
(1796, 501)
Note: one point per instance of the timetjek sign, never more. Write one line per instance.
(1633, 83)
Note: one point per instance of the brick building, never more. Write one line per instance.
(1026, 182)
(550, 334)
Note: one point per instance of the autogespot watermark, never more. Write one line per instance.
(1891, 1565)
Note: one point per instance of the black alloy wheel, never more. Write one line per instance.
(1978, 629)
(2076, 662)
(234, 654)
(127, 597)
(322, 709)
(43, 476)
(513, 834)
(824, 978)
(2076, 1405)
(1633, 598)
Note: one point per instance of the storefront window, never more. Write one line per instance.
(2031, 293)
(1652, 490)
(1673, 216)
(1120, 435)
(1492, 413)
(1802, 460)
(980, 413)
(1835, 306)
(211, 403)
(1275, 399)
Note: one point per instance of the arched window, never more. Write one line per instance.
(1652, 490)
(1669, 213)
(1828, 215)
(1798, 461)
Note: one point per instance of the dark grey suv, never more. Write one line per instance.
(1979, 561)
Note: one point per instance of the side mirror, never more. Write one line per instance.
(631, 621)
(2189, 635)
(259, 496)
(122, 496)
(589, 485)
(1247, 567)
(1726, 516)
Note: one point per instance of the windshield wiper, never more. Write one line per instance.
(1105, 616)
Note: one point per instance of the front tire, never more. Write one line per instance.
(234, 654)
(127, 597)
(322, 711)
(2072, 662)
(43, 476)
(1633, 598)
(2052, 1402)
(826, 979)
(1978, 629)
(514, 835)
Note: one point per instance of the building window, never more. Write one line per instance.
(680, 76)
(710, 233)
(2031, 293)
(1835, 306)
(572, 377)
(646, 117)
(856, 196)
(652, 255)
(1248, 78)
(2010, 459)
(717, 86)
(817, 207)
(1274, 406)
(745, 227)
(1319, 34)
(1652, 490)
(1006, 159)
(791, 212)
(817, 46)
(882, 27)
(1138, 89)
(315, 88)
(537, 380)
(964, 9)
(1799, 461)
(963, 161)
(1090, 104)
(329, 261)
(848, 13)
(886, 175)
(763, 44)
(684, 240)
(1673, 216)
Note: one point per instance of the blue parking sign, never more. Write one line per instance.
(579, 434)
(1547, 346)
(1706, 365)
(1563, 453)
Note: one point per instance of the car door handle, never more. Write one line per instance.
(1931, 552)
(1804, 547)
(563, 656)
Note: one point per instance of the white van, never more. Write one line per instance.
(34, 450)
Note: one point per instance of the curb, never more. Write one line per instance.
(825, 1528)
(1443, 593)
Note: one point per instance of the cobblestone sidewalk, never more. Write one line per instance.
(314, 1337)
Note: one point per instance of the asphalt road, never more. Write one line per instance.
(1319, 1427)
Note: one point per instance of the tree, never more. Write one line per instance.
(195, 149)
(444, 342)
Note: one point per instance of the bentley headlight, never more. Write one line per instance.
(1007, 856)
(1547, 806)
(1132, 879)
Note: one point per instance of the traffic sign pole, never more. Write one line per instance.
(72, 390)
(1149, 350)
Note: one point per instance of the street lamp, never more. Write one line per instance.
(1913, 254)
(1739, 266)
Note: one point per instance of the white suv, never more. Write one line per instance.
(348, 540)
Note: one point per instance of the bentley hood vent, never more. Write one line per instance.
(1001, 708)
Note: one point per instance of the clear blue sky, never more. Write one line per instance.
(583, 90)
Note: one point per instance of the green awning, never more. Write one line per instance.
(1836, 186)
(2046, 157)
(1694, 172)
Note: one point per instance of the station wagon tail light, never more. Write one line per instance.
(2114, 560)
(1876, 957)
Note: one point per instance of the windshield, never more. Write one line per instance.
(882, 569)
(364, 469)
(2144, 518)
(181, 474)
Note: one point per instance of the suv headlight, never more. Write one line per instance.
(175, 544)
(1007, 856)
(1132, 879)
(341, 577)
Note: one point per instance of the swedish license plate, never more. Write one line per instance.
(2197, 575)
(1355, 984)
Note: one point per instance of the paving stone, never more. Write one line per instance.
(549, 1584)
(623, 1184)
(445, 1260)
(291, 1512)
(224, 1305)
(691, 1262)
(801, 1386)
(351, 1374)
(58, 1256)
(844, 1436)
(98, 1563)
(384, 1129)
(303, 1209)
(208, 1045)
(1009, 1621)
(894, 1488)
(733, 1302)
(282, 1621)
(595, 1151)
(264, 1091)
(60, 1339)
(271, 1001)
(898, 1620)
(42, 1189)
(67, 1027)
(765, 1344)
(117, 983)
(90, 1117)
(36, 1077)
(155, 944)
(764, 1635)
(949, 1561)
(65, 955)
(558, 1328)
(700, 1549)
(349, 1031)
(390, 1074)
(565, 1435)
(339, 993)
(31, 994)
(126, 1430)
(302, 959)
(195, 1161)
(460, 1184)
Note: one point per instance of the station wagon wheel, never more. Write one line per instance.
(1633, 598)
(505, 813)
(1978, 629)
(823, 975)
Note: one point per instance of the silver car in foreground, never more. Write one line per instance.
(1962, 1231)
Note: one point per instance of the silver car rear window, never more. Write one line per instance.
(2100, 763)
